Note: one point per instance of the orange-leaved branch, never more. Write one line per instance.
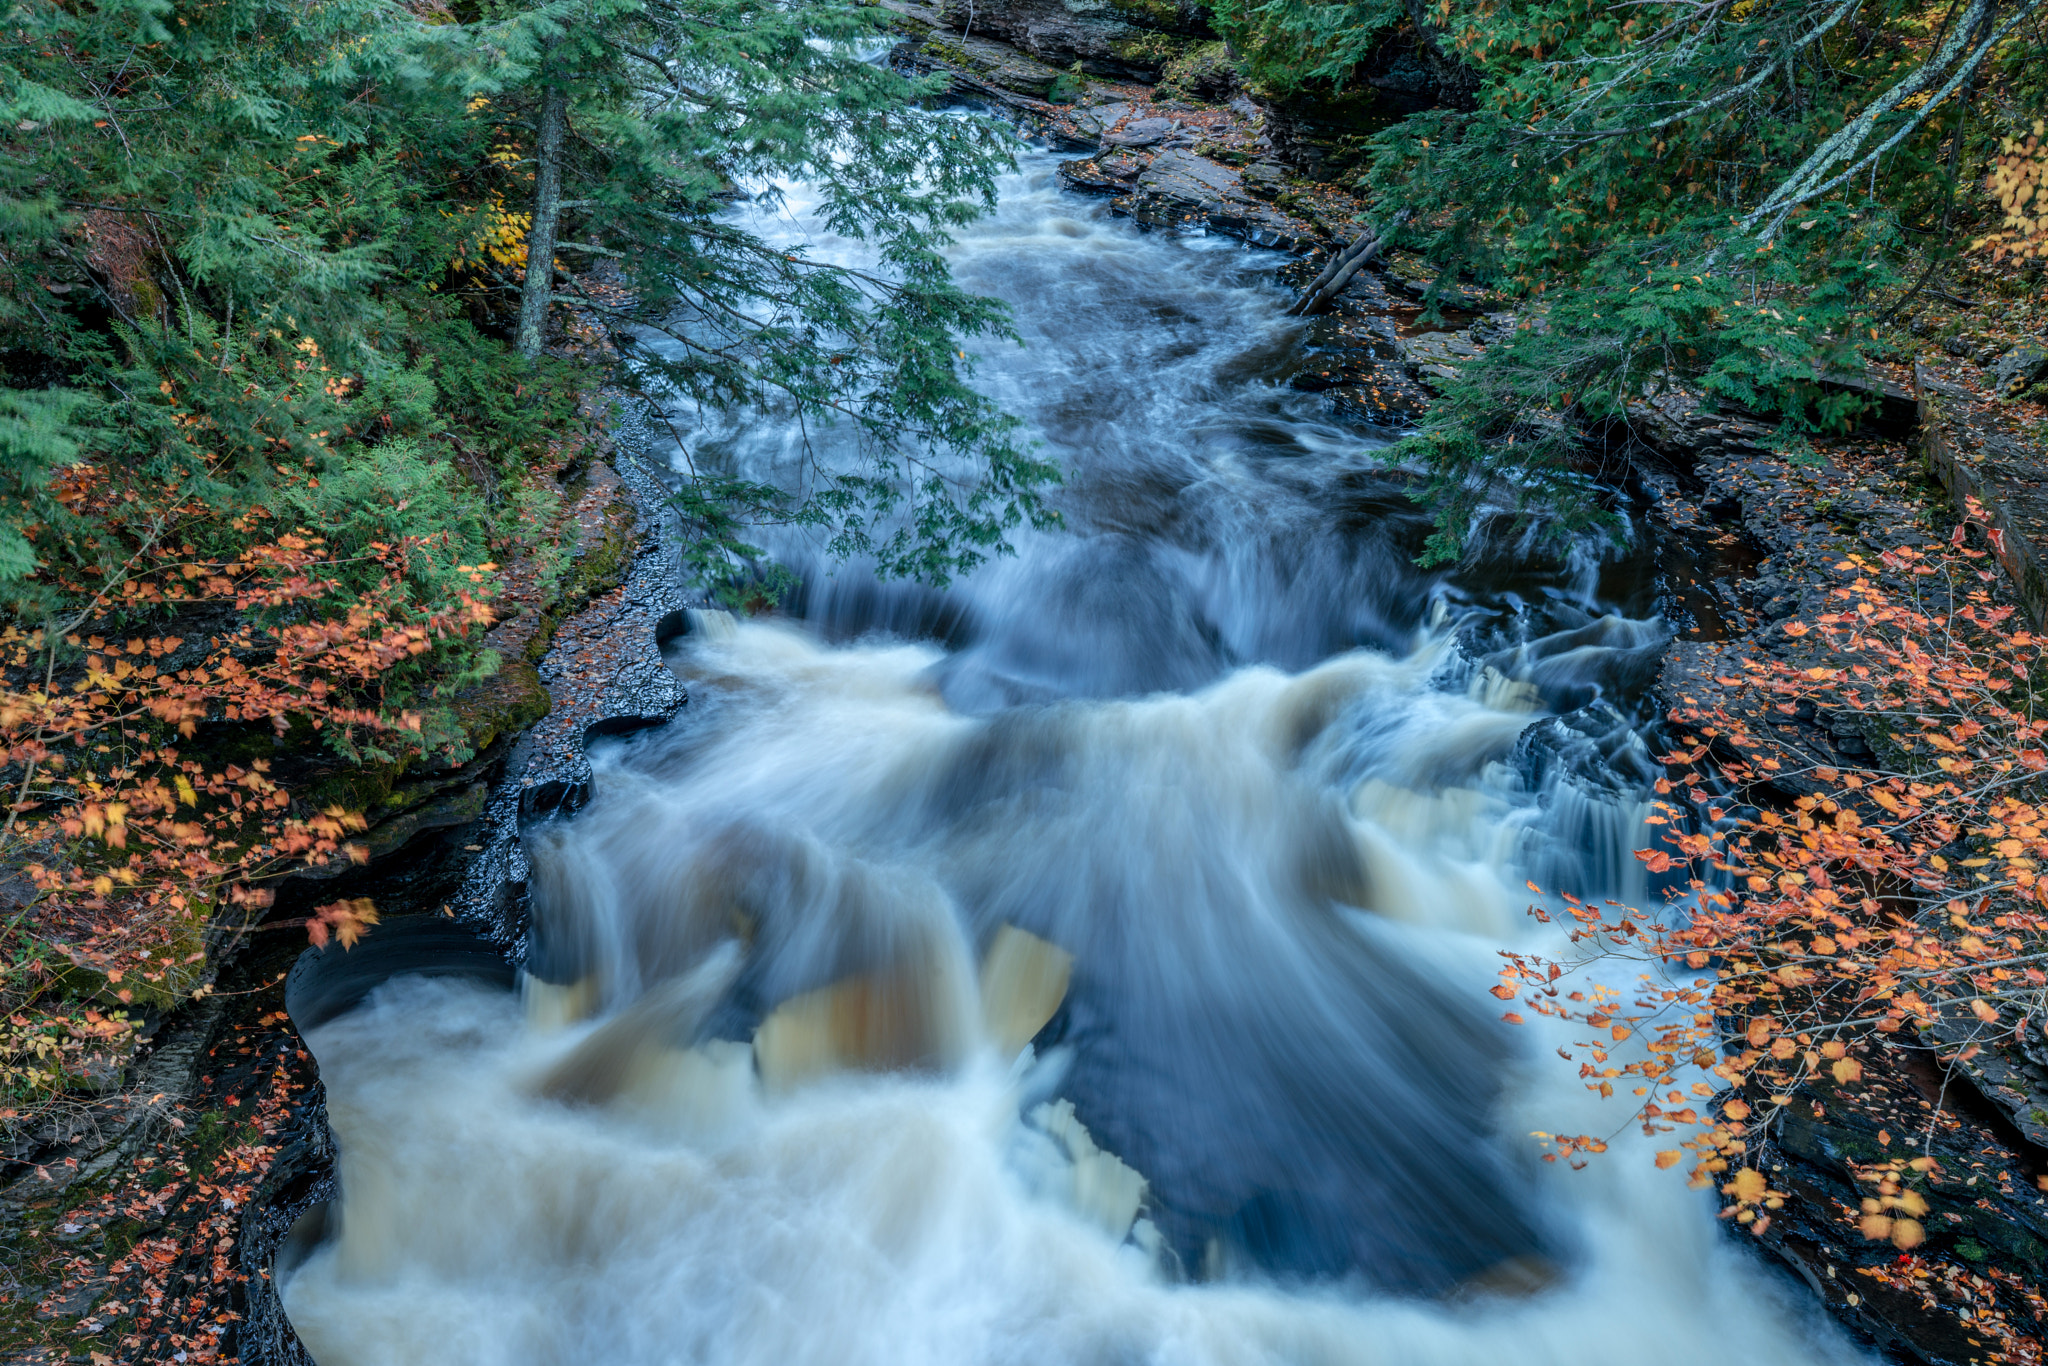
(1834, 908)
(146, 832)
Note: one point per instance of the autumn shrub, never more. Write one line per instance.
(1832, 909)
(231, 564)
(262, 438)
(401, 492)
(2019, 184)
(139, 845)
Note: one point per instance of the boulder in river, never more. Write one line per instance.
(1181, 189)
(1111, 174)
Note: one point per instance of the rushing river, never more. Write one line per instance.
(1088, 964)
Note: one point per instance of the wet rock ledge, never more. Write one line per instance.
(1752, 539)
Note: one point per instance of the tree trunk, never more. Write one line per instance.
(1342, 266)
(547, 212)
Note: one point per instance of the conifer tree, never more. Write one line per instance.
(1722, 195)
(195, 193)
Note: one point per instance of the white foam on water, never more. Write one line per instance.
(900, 1220)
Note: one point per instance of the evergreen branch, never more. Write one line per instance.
(1726, 97)
(1805, 183)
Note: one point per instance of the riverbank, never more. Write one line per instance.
(139, 1224)
(1765, 545)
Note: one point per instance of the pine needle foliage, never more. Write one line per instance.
(670, 110)
(1729, 196)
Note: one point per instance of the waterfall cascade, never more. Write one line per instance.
(1087, 963)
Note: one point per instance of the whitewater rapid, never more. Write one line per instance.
(1086, 964)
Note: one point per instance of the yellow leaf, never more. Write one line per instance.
(1984, 1011)
(1748, 1186)
(1847, 1070)
(1669, 1157)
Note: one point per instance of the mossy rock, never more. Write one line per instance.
(602, 567)
(183, 965)
(1153, 50)
(453, 809)
(1229, 156)
(597, 568)
(362, 788)
(1001, 67)
(2011, 1243)
(508, 701)
(1204, 72)
(1152, 14)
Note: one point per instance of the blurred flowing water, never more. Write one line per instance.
(1087, 963)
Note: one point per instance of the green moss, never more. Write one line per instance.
(1149, 49)
(543, 638)
(1203, 72)
(183, 967)
(1156, 14)
(26, 1242)
(510, 700)
(213, 1135)
(363, 788)
(603, 566)
(1008, 72)
(598, 569)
